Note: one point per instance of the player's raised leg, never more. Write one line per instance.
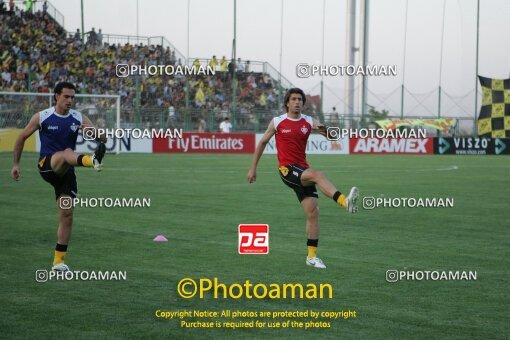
(311, 208)
(311, 177)
(62, 160)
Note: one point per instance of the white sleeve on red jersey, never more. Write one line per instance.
(308, 119)
(278, 120)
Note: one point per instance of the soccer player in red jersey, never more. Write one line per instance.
(292, 130)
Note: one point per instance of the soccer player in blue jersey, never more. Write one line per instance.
(58, 130)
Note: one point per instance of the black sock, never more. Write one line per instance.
(336, 195)
(61, 247)
(312, 243)
(80, 160)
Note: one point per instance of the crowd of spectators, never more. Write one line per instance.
(36, 53)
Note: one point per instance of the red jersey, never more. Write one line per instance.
(291, 137)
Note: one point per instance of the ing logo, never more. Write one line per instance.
(253, 239)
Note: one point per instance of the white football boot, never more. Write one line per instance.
(351, 200)
(61, 267)
(315, 262)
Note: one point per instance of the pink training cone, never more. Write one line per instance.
(160, 238)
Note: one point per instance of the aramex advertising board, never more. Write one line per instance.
(206, 143)
(317, 144)
(392, 146)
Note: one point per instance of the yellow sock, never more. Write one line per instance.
(59, 257)
(341, 201)
(87, 161)
(312, 251)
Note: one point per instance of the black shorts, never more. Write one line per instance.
(63, 185)
(291, 175)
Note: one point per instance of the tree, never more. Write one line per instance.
(373, 116)
(376, 115)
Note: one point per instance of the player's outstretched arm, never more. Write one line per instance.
(252, 173)
(32, 126)
(87, 123)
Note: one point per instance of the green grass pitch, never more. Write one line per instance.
(197, 202)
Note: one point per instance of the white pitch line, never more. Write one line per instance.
(238, 169)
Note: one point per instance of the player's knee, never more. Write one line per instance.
(66, 214)
(316, 175)
(319, 175)
(68, 152)
(312, 174)
(313, 213)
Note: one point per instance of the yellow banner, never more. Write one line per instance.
(441, 124)
(8, 138)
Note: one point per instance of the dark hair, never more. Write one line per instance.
(291, 91)
(62, 85)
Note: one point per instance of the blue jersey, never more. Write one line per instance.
(57, 132)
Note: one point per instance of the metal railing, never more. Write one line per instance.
(253, 66)
(114, 39)
(196, 119)
(464, 127)
(16, 109)
(38, 6)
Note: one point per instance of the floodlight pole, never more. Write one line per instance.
(322, 75)
(364, 56)
(402, 92)
(138, 98)
(280, 92)
(186, 84)
(350, 52)
(234, 76)
(476, 63)
(82, 49)
(441, 63)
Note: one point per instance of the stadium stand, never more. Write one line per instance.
(37, 53)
